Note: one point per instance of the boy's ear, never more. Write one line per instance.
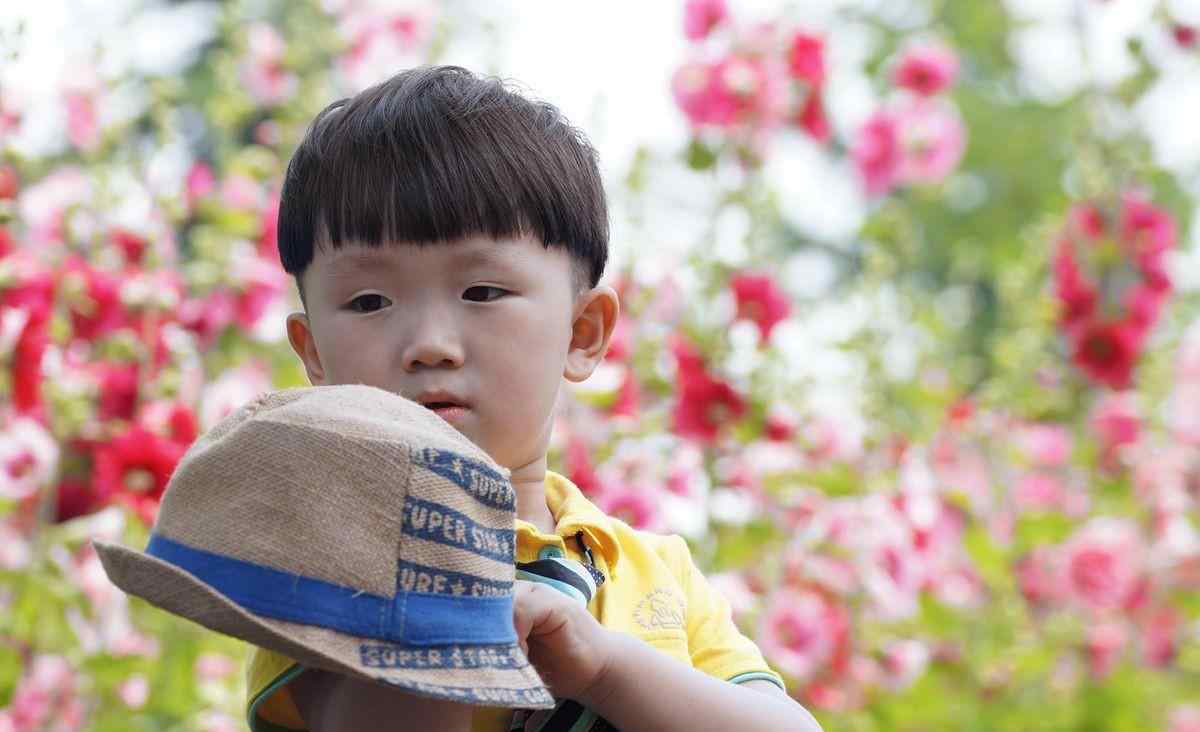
(301, 337)
(596, 314)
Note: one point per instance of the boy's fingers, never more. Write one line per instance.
(532, 605)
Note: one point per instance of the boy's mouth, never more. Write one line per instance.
(446, 406)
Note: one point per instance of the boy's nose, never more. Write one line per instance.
(432, 346)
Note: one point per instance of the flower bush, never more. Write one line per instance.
(952, 483)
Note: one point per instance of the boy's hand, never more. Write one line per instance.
(569, 649)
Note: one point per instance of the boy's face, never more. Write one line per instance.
(481, 331)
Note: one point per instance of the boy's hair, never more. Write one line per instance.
(435, 154)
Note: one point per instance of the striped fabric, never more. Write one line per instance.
(580, 582)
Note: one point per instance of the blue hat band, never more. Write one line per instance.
(409, 618)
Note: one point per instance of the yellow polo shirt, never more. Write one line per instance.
(652, 591)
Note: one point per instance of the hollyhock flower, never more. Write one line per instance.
(1038, 577)
(580, 470)
(28, 458)
(781, 424)
(117, 385)
(733, 587)
(1107, 352)
(1145, 228)
(806, 59)
(134, 691)
(1075, 292)
(1036, 492)
(15, 550)
(734, 90)
(242, 192)
(171, 419)
(701, 16)
(75, 498)
(27, 359)
(268, 237)
(903, 662)
(214, 667)
(93, 298)
(932, 139)
(1160, 637)
(231, 390)
(1046, 445)
(926, 69)
(704, 404)
(9, 183)
(1116, 420)
(208, 317)
(1144, 305)
(199, 183)
(83, 125)
(134, 468)
(262, 72)
(635, 506)
(812, 117)
(620, 345)
(801, 633)
(759, 299)
(47, 696)
(1184, 718)
(877, 153)
(1184, 35)
(379, 38)
(44, 203)
(1087, 222)
(1102, 563)
(628, 401)
(1105, 641)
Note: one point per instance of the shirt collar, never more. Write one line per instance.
(574, 513)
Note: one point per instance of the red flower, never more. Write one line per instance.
(94, 301)
(75, 498)
(118, 385)
(1146, 228)
(1077, 295)
(9, 185)
(629, 397)
(1184, 35)
(705, 404)
(926, 70)
(134, 469)
(1107, 352)
(759, 299)
(812, 117)
(131, 245)
(806, 58)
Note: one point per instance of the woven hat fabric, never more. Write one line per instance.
(352, 530)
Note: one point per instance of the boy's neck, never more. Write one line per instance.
(529, 481)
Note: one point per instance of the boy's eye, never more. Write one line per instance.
(483, 293)
(368, 303)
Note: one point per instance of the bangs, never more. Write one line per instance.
(436, 155)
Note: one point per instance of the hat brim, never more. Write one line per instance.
(179, 592)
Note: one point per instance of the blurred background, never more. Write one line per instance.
(910, 351)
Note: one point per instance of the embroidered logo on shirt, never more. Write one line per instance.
(659, 610)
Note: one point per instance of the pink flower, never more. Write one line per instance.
(262, 72)
(1184, 35)
(1184, 718)
(580, 470)
(134, 691)
(1039, 492)
(1145, 228)
(46, 697)
(214, 666)
(1047, 445)
(733, 91)
(812, 117)
(933, 139)
(28, 458)
(926, 69)
(806, 59)
(904, 662)
(200, 183)
(1105, 641)
(620, 345)
(1116, 420)
(83, 126)
(701, 16)
(635, 506)
(1161, 630)
(877, 153)
(1037, 575)
(1102, 564)
(760, 300)
(801, 633)
(629, 399)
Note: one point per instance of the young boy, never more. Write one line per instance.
(447, 237)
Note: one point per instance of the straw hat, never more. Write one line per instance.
(352, 530)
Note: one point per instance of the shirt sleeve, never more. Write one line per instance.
(715, 644)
